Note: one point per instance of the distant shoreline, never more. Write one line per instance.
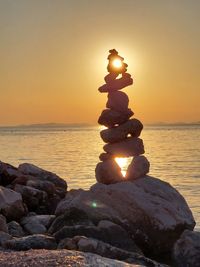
(82, 125)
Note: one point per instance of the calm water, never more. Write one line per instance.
(72, 153)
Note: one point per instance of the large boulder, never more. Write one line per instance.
(30, 169)
(110, 118)
(108, 172)
(118, 101)
(71, 216)
(186, 251)
(150, 209)
(132, 146)
(121, 132)
(11, 205)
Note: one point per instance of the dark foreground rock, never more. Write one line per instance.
(150, 209)
(106, 231)
(61, 258)
(85, 244)
(11, 204)
(186, 252)
(31, 242)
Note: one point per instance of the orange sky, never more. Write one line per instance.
(53, 58)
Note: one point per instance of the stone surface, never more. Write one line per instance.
(101, 248)
(115, 84)
(121, 132)
(110, 77)
(3, 225)
(110, 118)
(105, 156)
(186, 251)
(138, 167)
(32, 225)
(31, 196)
(118, 101)
(15, 229)
(4, 237)
(132, 146)
(8, 173)
(61, 258)
(150, 209)
(113, 234)
(11, 204)
(108, 172)
(31, 242)
(71, 216)
(30, 169)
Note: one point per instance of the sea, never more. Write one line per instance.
(72, 153)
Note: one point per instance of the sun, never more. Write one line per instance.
(117, 63)
(122, 162)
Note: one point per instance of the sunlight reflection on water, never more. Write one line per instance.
(72, 153)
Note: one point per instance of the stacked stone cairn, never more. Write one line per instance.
(122, 133)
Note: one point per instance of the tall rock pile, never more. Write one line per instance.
(122, 133)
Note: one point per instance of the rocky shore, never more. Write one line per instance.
(129, 222)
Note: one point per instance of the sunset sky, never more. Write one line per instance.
(53, 58)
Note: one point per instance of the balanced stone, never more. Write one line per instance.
(108, 172)
(113, 84)
(110, 118)
(105, 156)
(139, 167)
(110, 78)
(118, 101)
(119, 133)
(132, 146)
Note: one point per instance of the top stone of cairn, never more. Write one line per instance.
(115, 67)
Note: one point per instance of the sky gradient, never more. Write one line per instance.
(53, 58)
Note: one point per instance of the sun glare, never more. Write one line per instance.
(117, 63)
(122, 162)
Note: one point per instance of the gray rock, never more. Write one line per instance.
(150, 209)
(132, 127)
(103, 249)
(31, 242)
(32, 225)
(110, 118)
(3, 225)
(112, 234)
(138, 167)
(30, 169)
(8, 173)
(186, 251)
(15, 229)
(4, 237)
(113, 84)
(71, 216)
(118, 101)
(132, 146)
(11, 204)
(108, 172)
(31, 196)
